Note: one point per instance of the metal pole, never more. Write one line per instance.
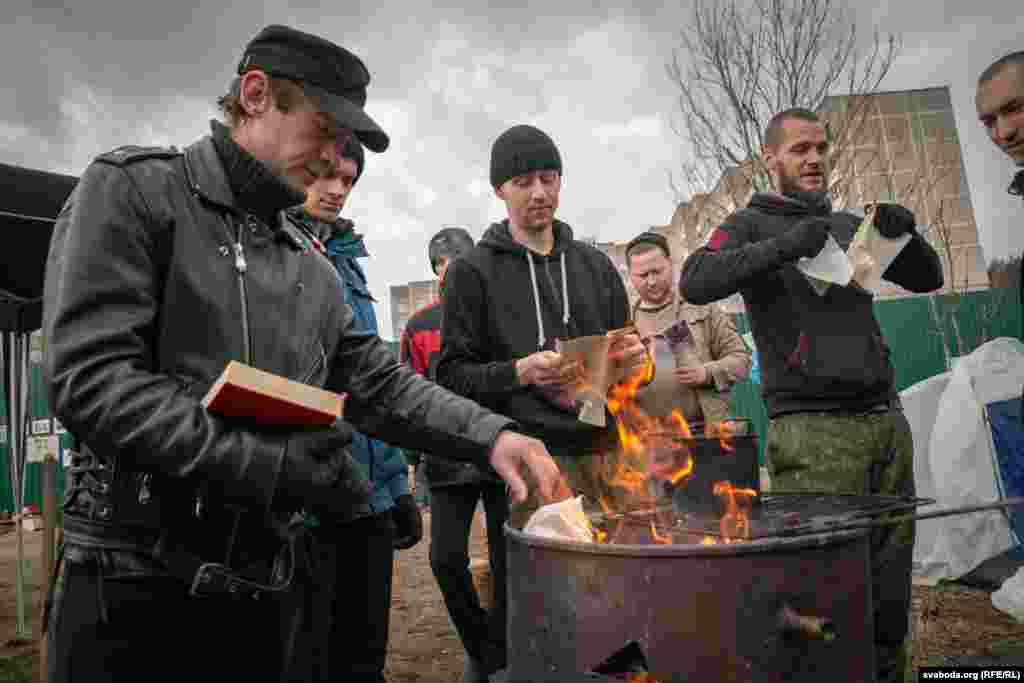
(826, 525)
(15, 356)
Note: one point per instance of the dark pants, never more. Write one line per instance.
(866, 454)
(363, 553)
(483, 634)
(104, 629)
(422, 486)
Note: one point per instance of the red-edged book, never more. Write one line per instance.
(246, 392)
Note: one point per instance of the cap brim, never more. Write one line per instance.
(350, 115)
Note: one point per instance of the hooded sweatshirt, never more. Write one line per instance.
(504, 302)
(817, 353)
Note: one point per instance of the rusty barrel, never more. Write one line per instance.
(774, 609)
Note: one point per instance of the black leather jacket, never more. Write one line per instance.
(154, 281)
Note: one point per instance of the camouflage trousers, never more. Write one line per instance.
(871, 453)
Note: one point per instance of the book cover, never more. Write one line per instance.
(243, 391)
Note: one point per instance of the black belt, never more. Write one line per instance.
(203, 578)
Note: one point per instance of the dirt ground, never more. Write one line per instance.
(949, 622)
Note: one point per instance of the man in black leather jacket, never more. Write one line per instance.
(164, 266)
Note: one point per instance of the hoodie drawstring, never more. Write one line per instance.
(536, 300)
(536, 297)
(565, 295)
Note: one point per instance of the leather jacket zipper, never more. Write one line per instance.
(320, 360)
(240, 267)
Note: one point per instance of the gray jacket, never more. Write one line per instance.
(154, 281)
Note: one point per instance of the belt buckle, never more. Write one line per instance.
(213, 578)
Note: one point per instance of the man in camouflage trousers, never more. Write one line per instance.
(836, 424)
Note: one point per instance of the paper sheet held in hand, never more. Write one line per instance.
(865, 260)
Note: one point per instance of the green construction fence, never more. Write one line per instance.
(911, 326)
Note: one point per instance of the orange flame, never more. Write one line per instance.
(650, 447)
(660, 538)
(735, 524)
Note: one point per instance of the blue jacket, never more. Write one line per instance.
(385, 466)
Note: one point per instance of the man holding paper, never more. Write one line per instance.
(835, 419)
(700, 371)
(525, 285)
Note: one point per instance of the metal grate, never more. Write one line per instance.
(772, 515)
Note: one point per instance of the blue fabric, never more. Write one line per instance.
(384, 465)
(755, 368)
(1008, 438)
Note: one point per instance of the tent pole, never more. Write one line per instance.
(16, 357)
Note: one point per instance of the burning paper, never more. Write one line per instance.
(598, 373)
(565, 520)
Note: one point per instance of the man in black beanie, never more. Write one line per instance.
(526, 284)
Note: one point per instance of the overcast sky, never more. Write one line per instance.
(83, 76)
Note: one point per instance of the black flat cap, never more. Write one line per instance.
(332, 75)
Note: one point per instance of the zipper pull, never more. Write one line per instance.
(240, 264)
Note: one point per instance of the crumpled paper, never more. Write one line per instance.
(564, 521)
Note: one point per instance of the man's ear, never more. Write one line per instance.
(499, 193)
(254, 93)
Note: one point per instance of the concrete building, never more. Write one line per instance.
(407, 299)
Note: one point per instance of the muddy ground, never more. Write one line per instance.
(950, 622)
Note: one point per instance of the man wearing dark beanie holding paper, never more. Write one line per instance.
(527, 283)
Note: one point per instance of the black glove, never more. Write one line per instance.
(408, 522)
(893, 220)
(803, 240)
(318, 474)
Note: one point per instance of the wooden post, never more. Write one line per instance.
(49, 486)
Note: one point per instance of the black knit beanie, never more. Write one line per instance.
(522, 149)
(354, 151)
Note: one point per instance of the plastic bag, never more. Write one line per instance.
(1009, 599)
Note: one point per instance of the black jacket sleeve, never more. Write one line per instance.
(102, 297)
(463, 364)
(917, 268)
(621, 312)
(388, 400)
(729, 262)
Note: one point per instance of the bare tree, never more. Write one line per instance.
(741, 61)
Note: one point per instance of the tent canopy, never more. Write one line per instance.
(29, 203)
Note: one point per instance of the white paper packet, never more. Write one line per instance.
(565, 521)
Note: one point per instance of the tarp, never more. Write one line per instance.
(957, 460)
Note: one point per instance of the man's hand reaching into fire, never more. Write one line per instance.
(511, 450)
